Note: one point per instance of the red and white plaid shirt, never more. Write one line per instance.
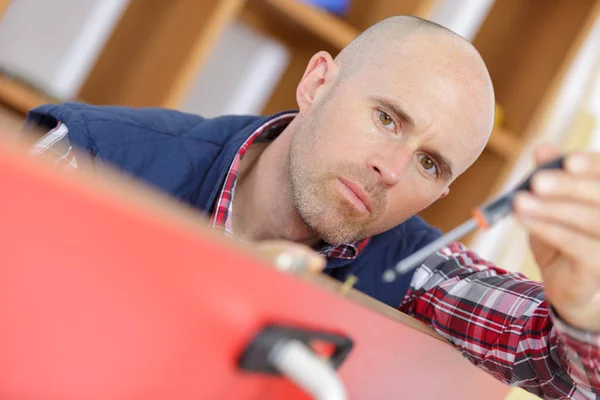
(499, 320)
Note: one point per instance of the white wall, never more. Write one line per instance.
(462, 16)
(54, 43)
(594, 107)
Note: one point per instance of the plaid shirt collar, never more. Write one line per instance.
(221, 219)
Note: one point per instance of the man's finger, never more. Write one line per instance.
(546, 152)
(578, 246)
(576, 215)
(584, 163)
(562, 185)
(291, 257)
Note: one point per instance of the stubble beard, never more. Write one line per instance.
(316, 199)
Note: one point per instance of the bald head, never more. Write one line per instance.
(392, 35)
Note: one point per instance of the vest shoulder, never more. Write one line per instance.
(93, 126)
(152, 118)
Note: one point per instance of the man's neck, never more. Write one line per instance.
(263, 206)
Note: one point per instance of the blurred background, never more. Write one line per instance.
(214, 57)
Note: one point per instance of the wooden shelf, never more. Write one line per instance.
(223, 14)
(156, 50)
(363, 14)
(524, 45)
(322, 24)
(19, 97)
(504, 143)
(339, 32)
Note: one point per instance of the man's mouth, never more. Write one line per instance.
(355, 194)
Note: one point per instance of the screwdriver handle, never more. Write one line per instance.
(490, 213)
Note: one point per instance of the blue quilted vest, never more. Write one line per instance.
(188, 156)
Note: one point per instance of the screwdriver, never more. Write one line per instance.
(483, 217)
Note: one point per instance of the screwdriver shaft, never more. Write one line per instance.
(415, 259)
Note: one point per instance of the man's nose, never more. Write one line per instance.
(389, 168)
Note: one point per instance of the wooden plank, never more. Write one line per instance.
(504, 143)
(550, 98)
(425, 8)
(11, 122)
(324, 25)
(301, 44)
(523, 44)
(364, 13)
(144, 56)
(225, 12)
(20, 97)
(539, 120)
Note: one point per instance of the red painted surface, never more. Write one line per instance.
(102, 300)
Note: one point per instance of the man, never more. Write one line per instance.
(381, 133)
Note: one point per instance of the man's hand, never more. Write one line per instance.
(562, 215)
(291, 257)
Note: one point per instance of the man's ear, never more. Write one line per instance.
(444, 193)
(321, 72)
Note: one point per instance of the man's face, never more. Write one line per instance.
(381, 146)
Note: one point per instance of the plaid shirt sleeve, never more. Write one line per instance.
(56, 144)
(502, 323)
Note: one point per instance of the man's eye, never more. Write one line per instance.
(428, 164)
(385, 118)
